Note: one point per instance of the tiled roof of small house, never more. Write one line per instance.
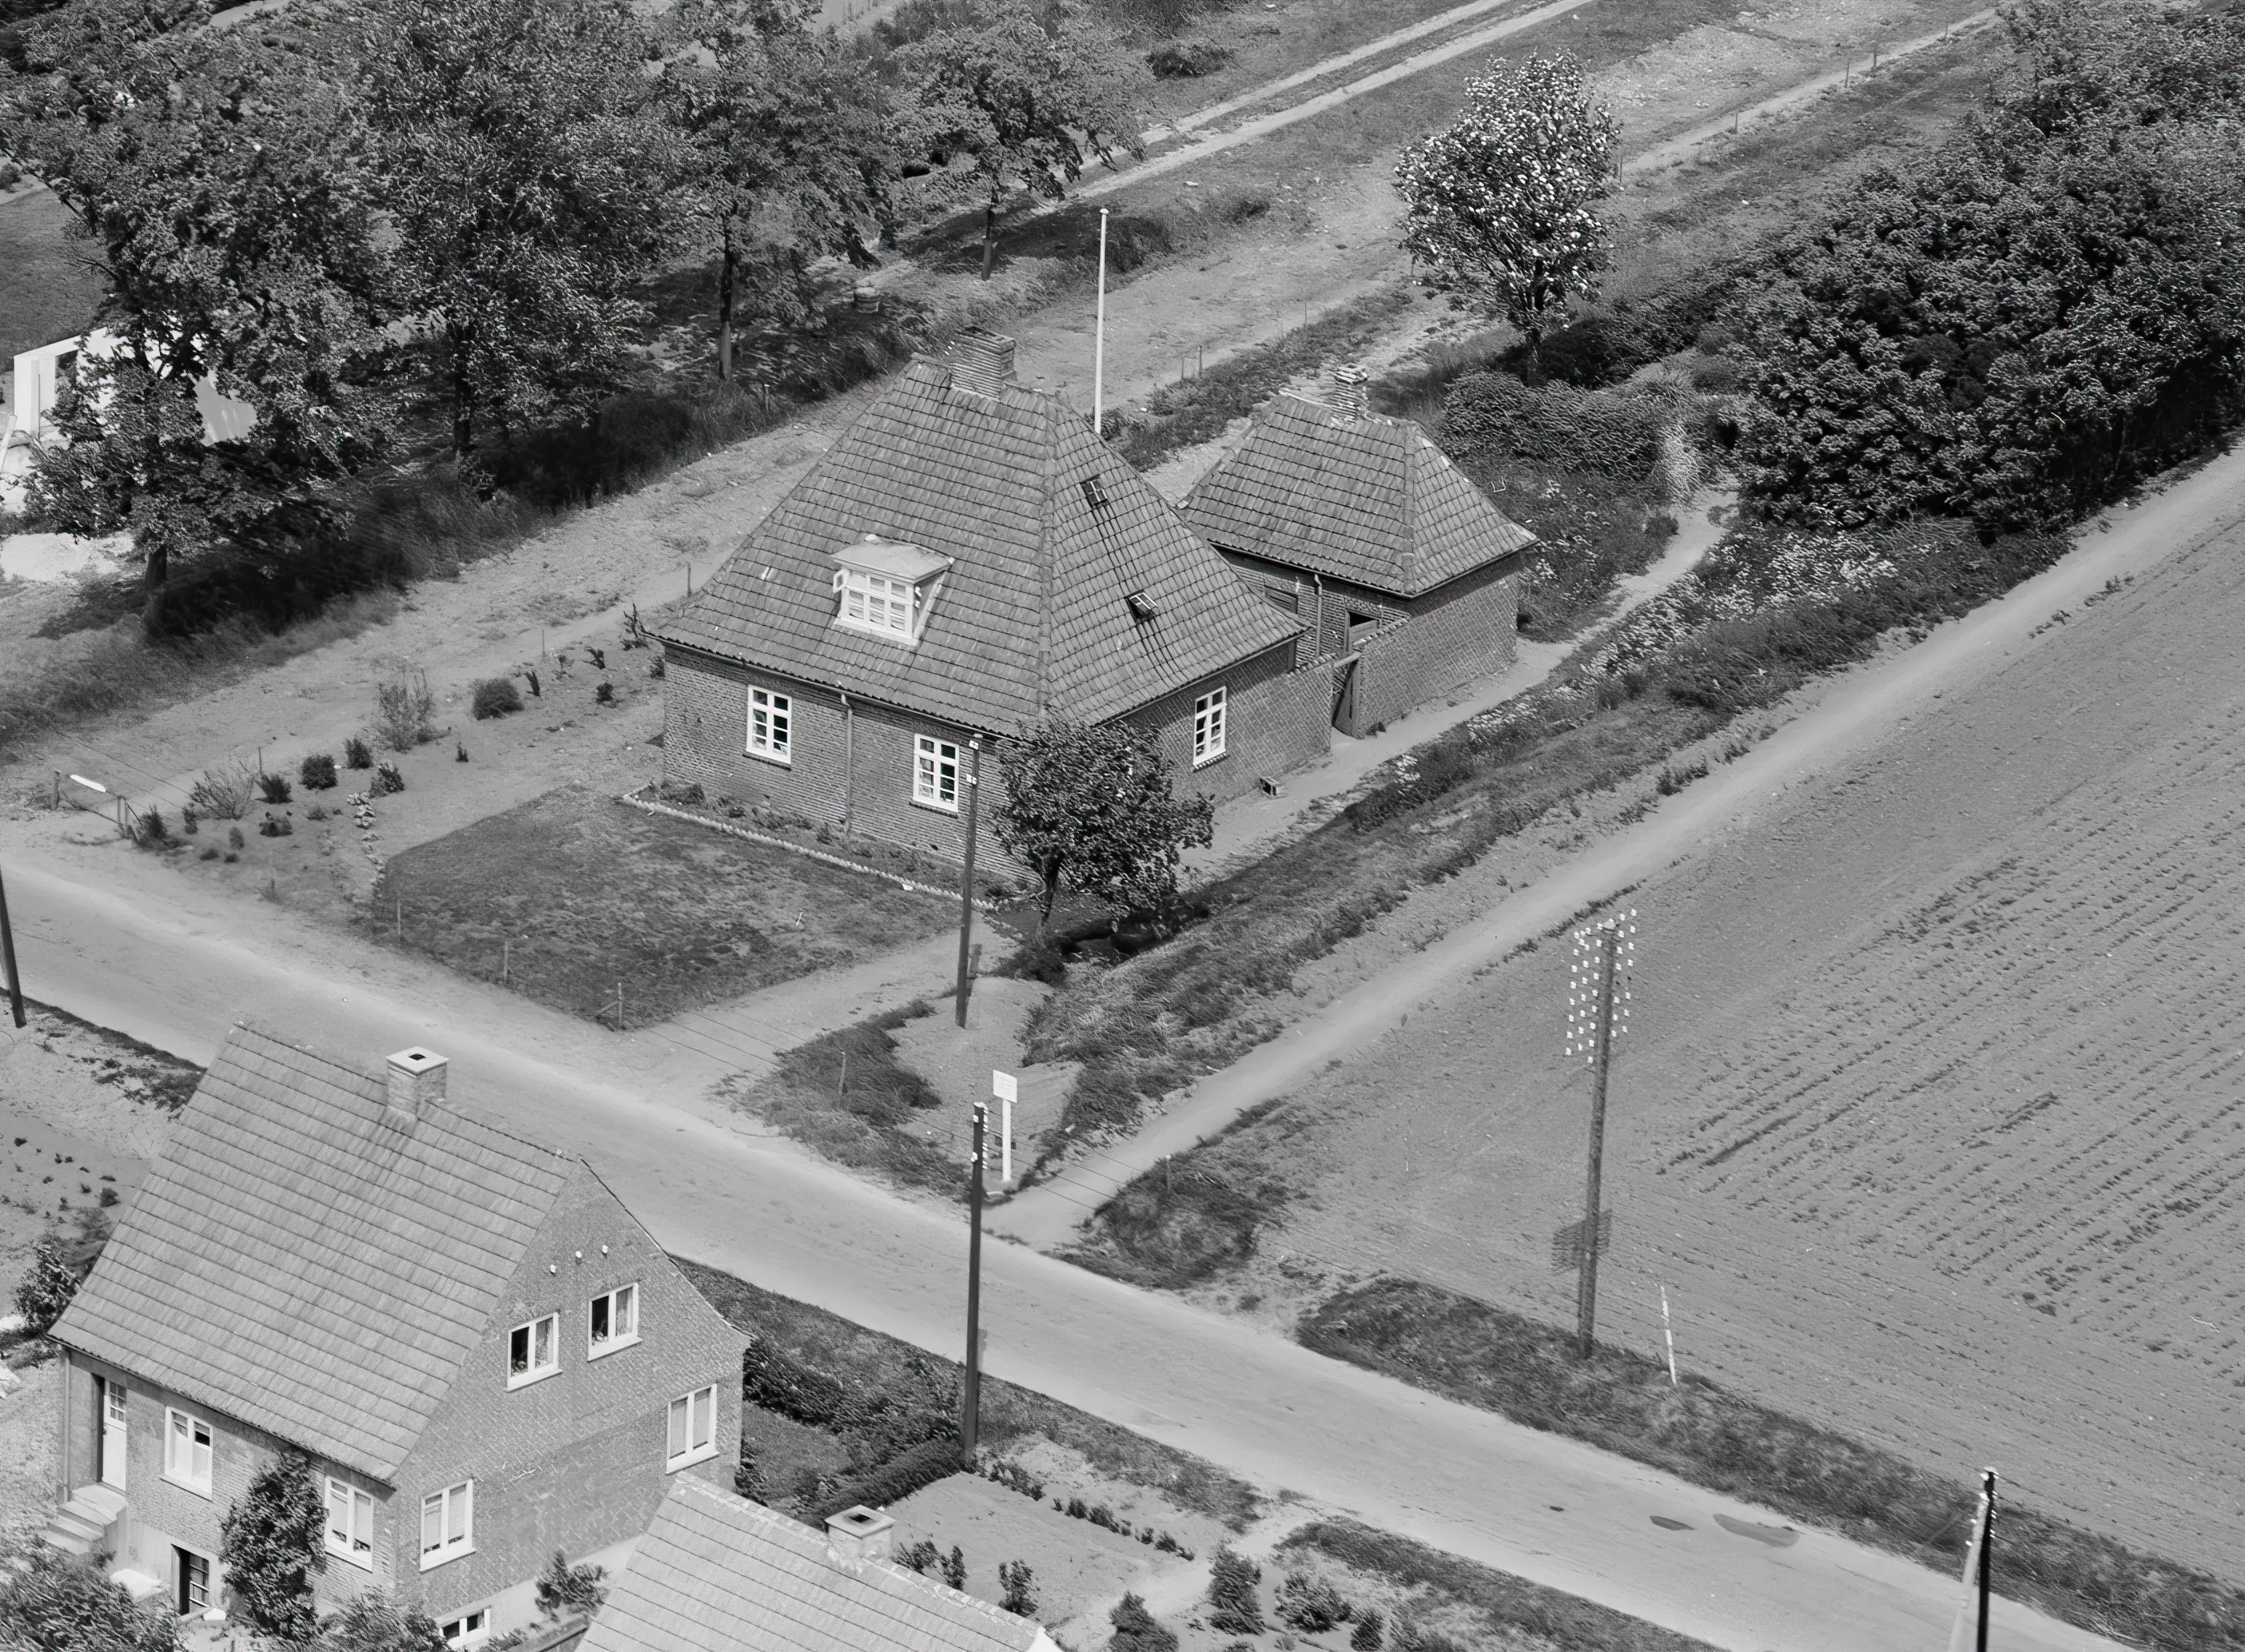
(718, 1574)
(296, 1260)
(1352, 495)
(1049, 536)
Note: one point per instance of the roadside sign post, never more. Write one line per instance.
(1008, 1089)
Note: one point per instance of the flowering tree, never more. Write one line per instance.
(1029, 89)
(1498, 209)
(1089, 805)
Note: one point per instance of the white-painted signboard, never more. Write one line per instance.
(1007, 1090)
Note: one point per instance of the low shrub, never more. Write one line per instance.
(1188, 1220)
(1138, 1630)
(1019, 1586)
(356, 754)
(1612, 433)
(277, 826)
(778, 1384)
(495, 697)
(605, 694)
(922, 1464)
(1234, 1607)
(404, 711)
(317, 773)
(223, 793)
(1187, 59)
(1310, 1604)
(273, 789)
(387, 780)
(235, 840)
(1367, 1636)
(149, 830)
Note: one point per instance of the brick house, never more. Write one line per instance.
(966, 560)
(485, 1356)
(719, 1574)
(1406, 574)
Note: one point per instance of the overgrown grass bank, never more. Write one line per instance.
(866, 1364)
(1508, 1606)
(1623, 1402)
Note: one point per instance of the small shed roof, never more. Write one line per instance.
(1048, 535)
(298, 1262)
(1351, 495)
(718, 1574)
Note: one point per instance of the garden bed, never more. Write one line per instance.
(573, 895)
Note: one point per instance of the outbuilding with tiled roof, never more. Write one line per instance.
(1359, 525)
(483, 1355)
(965, 561)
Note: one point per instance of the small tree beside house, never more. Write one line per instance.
(1089, 806)
(271, 1546)
(1498, 211)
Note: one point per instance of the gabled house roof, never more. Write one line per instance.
(301, 1261)
(1352, 495)
(1049, 536)
(716, 1572)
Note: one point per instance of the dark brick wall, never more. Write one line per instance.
(1278, 719)
(574, 1461)
(1419, 649)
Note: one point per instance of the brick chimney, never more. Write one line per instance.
(982, 361)
(858, 1534)
(1351, 391)
(414, 1079)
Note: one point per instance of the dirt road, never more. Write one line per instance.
(100, 933)
(1874, 705)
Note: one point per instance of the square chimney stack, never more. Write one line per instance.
(982, 361)
(1351, 391)
(858, 1534)
(414, 1079)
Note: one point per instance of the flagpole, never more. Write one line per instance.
(1099, 337)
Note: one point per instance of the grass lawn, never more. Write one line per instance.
(47, 290)
(575, 893)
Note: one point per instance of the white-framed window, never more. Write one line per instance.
(613, 1322)
(935, 775)
(533, 1351)
(350, 1523)
(186, 1450)
(470, 1628)
(1208, 727)
(448, 1523)
(876, 602)
(771, 726)
(693, 1428)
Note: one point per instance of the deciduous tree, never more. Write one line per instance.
(1500, 210)
(368, 1622)
(1029, 89)
(50, 1603)
(532, 185)
(1089, 806)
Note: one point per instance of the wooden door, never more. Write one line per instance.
(112, 1432)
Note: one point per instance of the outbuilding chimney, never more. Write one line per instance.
(858, 1534)
(1350, 390)
(982, 361)
(414, 1079)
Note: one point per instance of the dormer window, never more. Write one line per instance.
(886, 587)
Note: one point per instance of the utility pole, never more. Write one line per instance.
(1970, 1633)
(1597, 1001)
(1987, 1542)
(8, 956)
(967, 884)
(970, 1396)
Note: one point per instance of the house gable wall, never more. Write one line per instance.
(572, 1461)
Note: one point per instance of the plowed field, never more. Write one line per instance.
(1933, 1121)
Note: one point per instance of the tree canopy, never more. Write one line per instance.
(1088, 807)
(1499, 210)
(270, 1543)
(2017, 324)
(53, 1604)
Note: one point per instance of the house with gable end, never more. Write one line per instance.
(485, 1357)
(1358, 525)
(967, 560)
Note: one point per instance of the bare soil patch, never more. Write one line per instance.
(574, 893)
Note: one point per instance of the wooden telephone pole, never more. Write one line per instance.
(967, 896)
(1597, 1010)
(970, 1392)
(8, 956)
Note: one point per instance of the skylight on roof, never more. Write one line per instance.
(1141, 606)
(1094, 495)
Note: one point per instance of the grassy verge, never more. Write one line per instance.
(1623, 1402)
(1506, 1607)
(867, 1363)
(846, 1095)
(572, 895)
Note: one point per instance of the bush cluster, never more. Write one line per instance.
(1234, 1607)
(1612, 433)
(494, 697)
(903, 1474)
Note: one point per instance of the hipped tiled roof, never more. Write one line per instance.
(296, 1261)
(1035, 616)
(1351, 496)
(718, 1574)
